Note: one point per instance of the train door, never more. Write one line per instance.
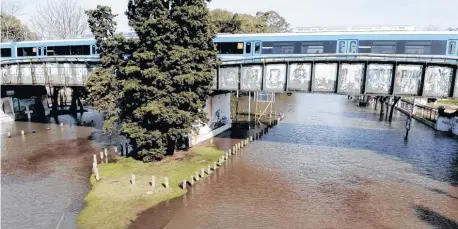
(452, 48)
(347, 46)
(252, 48)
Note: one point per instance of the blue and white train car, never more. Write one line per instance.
(443, 43)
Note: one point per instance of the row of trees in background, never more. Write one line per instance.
(56, 19)
(65, 19)
(263, 22)
(158, 92)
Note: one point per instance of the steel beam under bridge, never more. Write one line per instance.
(371, 74)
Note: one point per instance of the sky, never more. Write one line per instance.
(312, 13)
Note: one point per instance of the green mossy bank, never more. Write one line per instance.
(114, 202)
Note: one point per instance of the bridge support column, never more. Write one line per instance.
(395, 101)
(55, 95)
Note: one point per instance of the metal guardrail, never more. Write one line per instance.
(33, 59)
(343, 56)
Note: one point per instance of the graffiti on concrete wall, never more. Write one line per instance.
(437, 81)
(299, 77)
(407, 79)
(275, 77)
(379, 78)
(456, 85)
(251, 78)
(350, 78)
(324, 79)
(229, 78)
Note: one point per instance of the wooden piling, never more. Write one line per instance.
(22, 132)
(166, 182)
(202, 172)
(153, 181)
(61, 124)
(191, 181)
(197, 176)
(101, 157)
(215, 166)
(106, 156)
(9, 134)
(209, 170)
(184, 184)
(95, 159)
(132, 179)
(96, 171)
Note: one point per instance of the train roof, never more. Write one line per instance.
(379, 35)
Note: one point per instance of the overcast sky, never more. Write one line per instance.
(305, 13)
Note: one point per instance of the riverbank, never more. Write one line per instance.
(114, 202)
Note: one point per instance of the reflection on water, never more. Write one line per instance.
(329, 164)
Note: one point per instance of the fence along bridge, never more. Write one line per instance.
(357, 74)
(354, 74)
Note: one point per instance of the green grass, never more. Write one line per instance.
(114, 202)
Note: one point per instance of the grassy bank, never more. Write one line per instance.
(113, 201)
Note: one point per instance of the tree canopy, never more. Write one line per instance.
(11, 28)
(159, 89)
(227, 22)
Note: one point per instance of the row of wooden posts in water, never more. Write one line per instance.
(33, 131)
(199, 175)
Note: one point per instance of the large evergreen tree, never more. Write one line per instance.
(168, 76)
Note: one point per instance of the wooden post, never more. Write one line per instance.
(166, 182)
(96, 171)
(192, 180)
(22, 132)
(101, 157)
(214, 166)
(95, 159)
(106, 156)
(197, 176)
(115, 149)
(9, 134)
(209, 170)
(132, 180)
(184, 184)
(153, 181)
(230, 151)
(202, 172)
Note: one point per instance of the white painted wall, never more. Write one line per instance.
(218, 109)
(7, 110)
(447, 124)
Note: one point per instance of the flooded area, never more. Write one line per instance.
(328, 164)
(45, 174)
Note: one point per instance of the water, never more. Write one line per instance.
(329, 164)
(45, 174)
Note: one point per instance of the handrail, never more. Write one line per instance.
(51, 58)
(311, 56)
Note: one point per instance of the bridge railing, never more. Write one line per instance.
(33, 59)
(343, 56)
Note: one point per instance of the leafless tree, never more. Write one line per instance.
(60, 19)
(432, 28)
(11, 7)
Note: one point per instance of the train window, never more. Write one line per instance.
(39, 51)
(283, 48)
(58, 50)
(80, 50)
(312, 47)
(230, 47)
(384, 47)
(248, 47)
(418, 47)
(451, 48)
(5, 52)
(93, 50)
(27, 51)
(257, 47)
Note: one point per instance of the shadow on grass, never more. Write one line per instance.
(435, 219)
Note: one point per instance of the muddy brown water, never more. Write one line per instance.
(329, 164)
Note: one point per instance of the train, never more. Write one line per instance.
(443, 43)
